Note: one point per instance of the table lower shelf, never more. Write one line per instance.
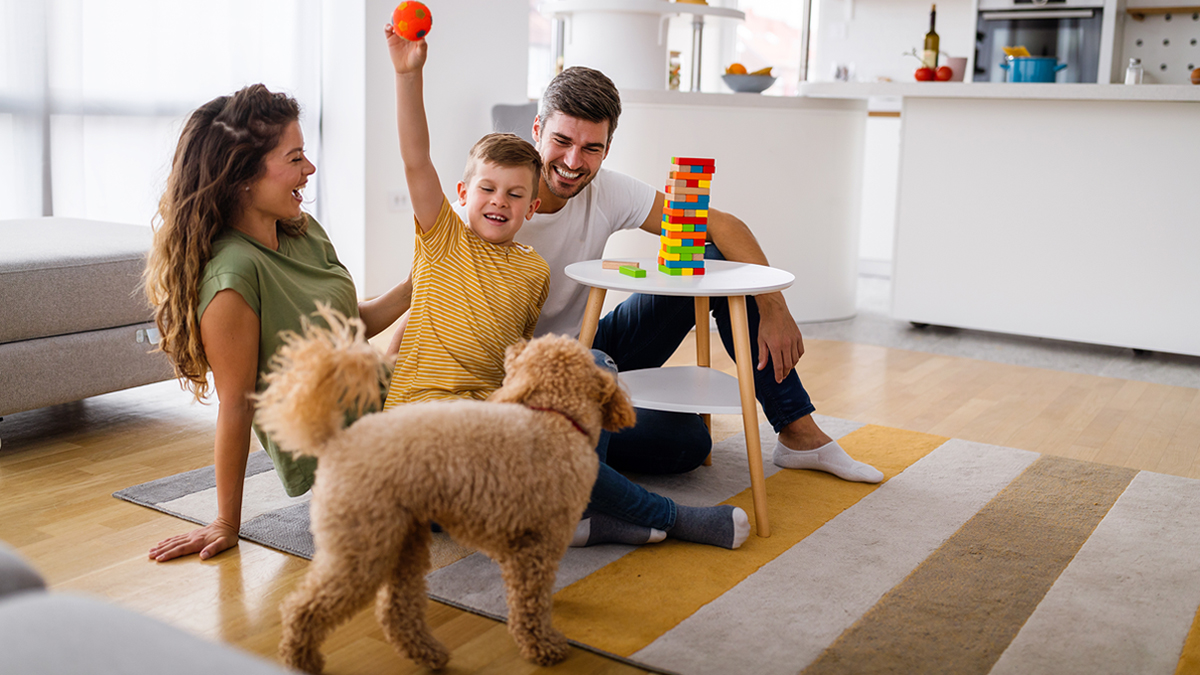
(686, 389)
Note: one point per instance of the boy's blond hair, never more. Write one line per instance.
(505, 150)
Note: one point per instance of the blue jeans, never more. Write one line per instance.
(616, 495)
(643, 332)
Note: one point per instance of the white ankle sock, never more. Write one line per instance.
(830, 458)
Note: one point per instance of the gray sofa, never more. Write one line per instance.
(46, 633)
(73, 320)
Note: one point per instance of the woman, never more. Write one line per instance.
(234, 263)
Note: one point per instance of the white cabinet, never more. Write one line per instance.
(1066, 219)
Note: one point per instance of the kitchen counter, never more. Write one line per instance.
(1062, 211)
(1002, 90)
(755, 101)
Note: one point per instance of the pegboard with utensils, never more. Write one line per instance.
(1167, 40)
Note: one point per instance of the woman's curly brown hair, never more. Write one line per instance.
(220, 154)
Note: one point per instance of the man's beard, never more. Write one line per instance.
(550, 176)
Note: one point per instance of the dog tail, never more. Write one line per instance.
(319, 378)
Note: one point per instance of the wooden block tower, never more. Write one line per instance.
(685, 217)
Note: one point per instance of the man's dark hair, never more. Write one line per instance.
(584, 93)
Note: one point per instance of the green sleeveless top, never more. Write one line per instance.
(280, 286)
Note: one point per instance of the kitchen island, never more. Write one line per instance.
(790, 167)
(1063, 211)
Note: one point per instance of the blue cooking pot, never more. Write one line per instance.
(1032, 68)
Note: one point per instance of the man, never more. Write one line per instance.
(582, 204)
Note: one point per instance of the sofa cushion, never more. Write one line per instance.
(66, 275)
(56, 634)
(15, 574)
(49, 371)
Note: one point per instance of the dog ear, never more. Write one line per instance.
(510, 355)
(517, 384)
(618, 411)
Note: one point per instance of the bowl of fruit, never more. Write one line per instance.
(737, 78)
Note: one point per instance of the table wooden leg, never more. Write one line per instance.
(704, 354)
(591, 316)
(745, 371)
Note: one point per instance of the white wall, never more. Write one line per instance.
(881, 167)
(340, 177)
(873, 35)
(478, 53)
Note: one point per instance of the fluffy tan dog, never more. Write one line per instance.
(509, 477)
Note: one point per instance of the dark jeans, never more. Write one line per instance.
(643, 332)
(616, 495)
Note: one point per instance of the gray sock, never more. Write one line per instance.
(726, 526)
(598, 528)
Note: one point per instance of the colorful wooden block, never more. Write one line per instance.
(683, 220)
(616, 264)
(680, 263)
(690, 250)
(693, 168)
(675, 190)
(671, 271)
(636, 272)
(682, 237)
(705, 161)
(701, 214)
(687, 175)
(696, 202)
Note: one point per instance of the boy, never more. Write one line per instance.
(475, 290)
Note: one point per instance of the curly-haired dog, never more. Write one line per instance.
(509, 477)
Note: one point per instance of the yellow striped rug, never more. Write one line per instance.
(969, 558)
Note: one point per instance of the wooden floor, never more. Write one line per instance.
(59, 466)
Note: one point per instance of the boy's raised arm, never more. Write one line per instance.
(424, 188)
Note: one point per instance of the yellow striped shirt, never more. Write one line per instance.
(471, 300)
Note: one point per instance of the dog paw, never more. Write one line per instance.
(547, 651)
(306, 660)
(432, 655)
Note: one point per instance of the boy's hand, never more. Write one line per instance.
(407, 57)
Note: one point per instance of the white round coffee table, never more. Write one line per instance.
(695, 389)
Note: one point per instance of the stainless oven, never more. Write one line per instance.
(1067, 29)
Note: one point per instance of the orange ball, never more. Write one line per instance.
(411, 20)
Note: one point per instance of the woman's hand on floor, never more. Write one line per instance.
(207, 541)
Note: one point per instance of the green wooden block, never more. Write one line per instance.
(673, 271)
(633, 271)
(685, 250)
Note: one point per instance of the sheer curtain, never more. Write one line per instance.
(94, 93)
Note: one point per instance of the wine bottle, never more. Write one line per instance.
(931, 42)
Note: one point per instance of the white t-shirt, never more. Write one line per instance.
(578, 231)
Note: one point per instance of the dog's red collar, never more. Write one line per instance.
(568, 417)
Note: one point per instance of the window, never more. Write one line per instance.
(93, 93)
